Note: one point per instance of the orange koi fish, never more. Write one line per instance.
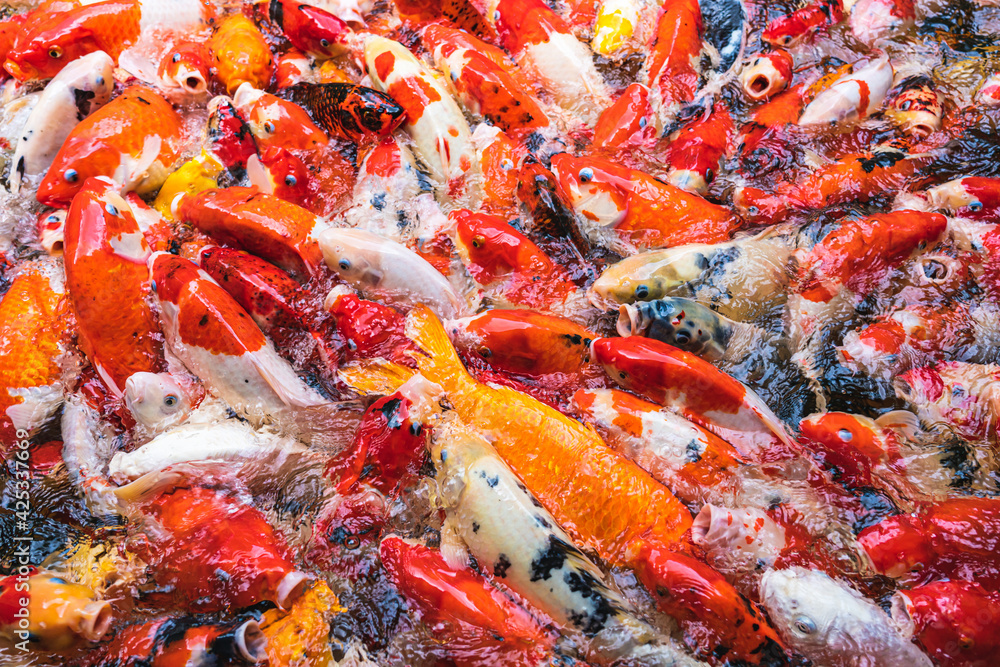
(641, 209)
(48, 42)
(240, 54)
(118, 329)
(135, 139)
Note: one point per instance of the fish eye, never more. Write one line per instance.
(805, 625)
(957, 391)
(478, 242)
(845, 435)
(55, 52)
(709, 175)
(112, 209)
(344, 265)
(506, 164)
(268, 126)
(444, 455)
(325, 43)
(170, 400)
(586, 174)
(290, 181)
(643, 122)
(753, 210)
(975, 206)
(71, 176)
(786, 40)
(352, 542)
(485, 352)
(622, 375)
(641, 292)
(176, 57)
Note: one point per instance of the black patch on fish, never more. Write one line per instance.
(378, 201)
(81, 99)
(589, 587)
(543, 522)
(203, 321)
(500, 567)
(391, 412)
(475, 527)
(724, 24)
(144, 101)
(276, 12)
(534, 141)
(692, 454)
(877, 507)
(552, 558)
(959, 457)
(884, 159)
(490, 481)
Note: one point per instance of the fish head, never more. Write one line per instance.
(275, 121)
(768, 74)
(917, 107)
(594, 192)
(951, 196)
(349, 529)
(898, 546)
(101, 220)
(171, 276)
(229, 136)
(51, 230)
(312, 29)
(649, 276)
(44, 50)
(92, 79)
(156, 400)
(989, 91)
(185, 67)
(810, 610)
(61, 610)
(964, 396)
(354, 255)
(490, 246)
(683, 323)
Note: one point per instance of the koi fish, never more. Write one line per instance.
(855, 177)
(240, 54)
(698, 146)
(51, 230)
(767, 75)
(523, 341)
(310, 29)
(714, 617)
(278, 122)
(440, 132)
(954, 539)
(143, 145)
(49, 42)
(916, 107)
(349, 110)
(550, 207)
(184, 640)
(498, 155)
(57, 613)
(118, 329)
(690, 385)
(538, 449)
(673, 64)
(185, 71)
(791, 29)
(157, 401)
(738, 540)
(762, 144)
(825, 620)
(389, 270)
(971, 197)
(370, 329)
(267, 226)
(303, 633)
(476, 623)
(685, 457)
(33, 314)
(542, 43)
(220, 343)
(490, 512)
(852, 97)
(187, 555)
(951, 620)
(625, 200)
(79, 89)
(711, 273)
(501, 258)
(630, 121)
(485, 88)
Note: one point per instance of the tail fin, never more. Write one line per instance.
(374, 377)
(439, 362)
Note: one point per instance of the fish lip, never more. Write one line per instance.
(702, 524)
(134, 393)
(20, 72)
(628, 320)
(291, 586)
(251, 642)
(899, 611)
(95, 620)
